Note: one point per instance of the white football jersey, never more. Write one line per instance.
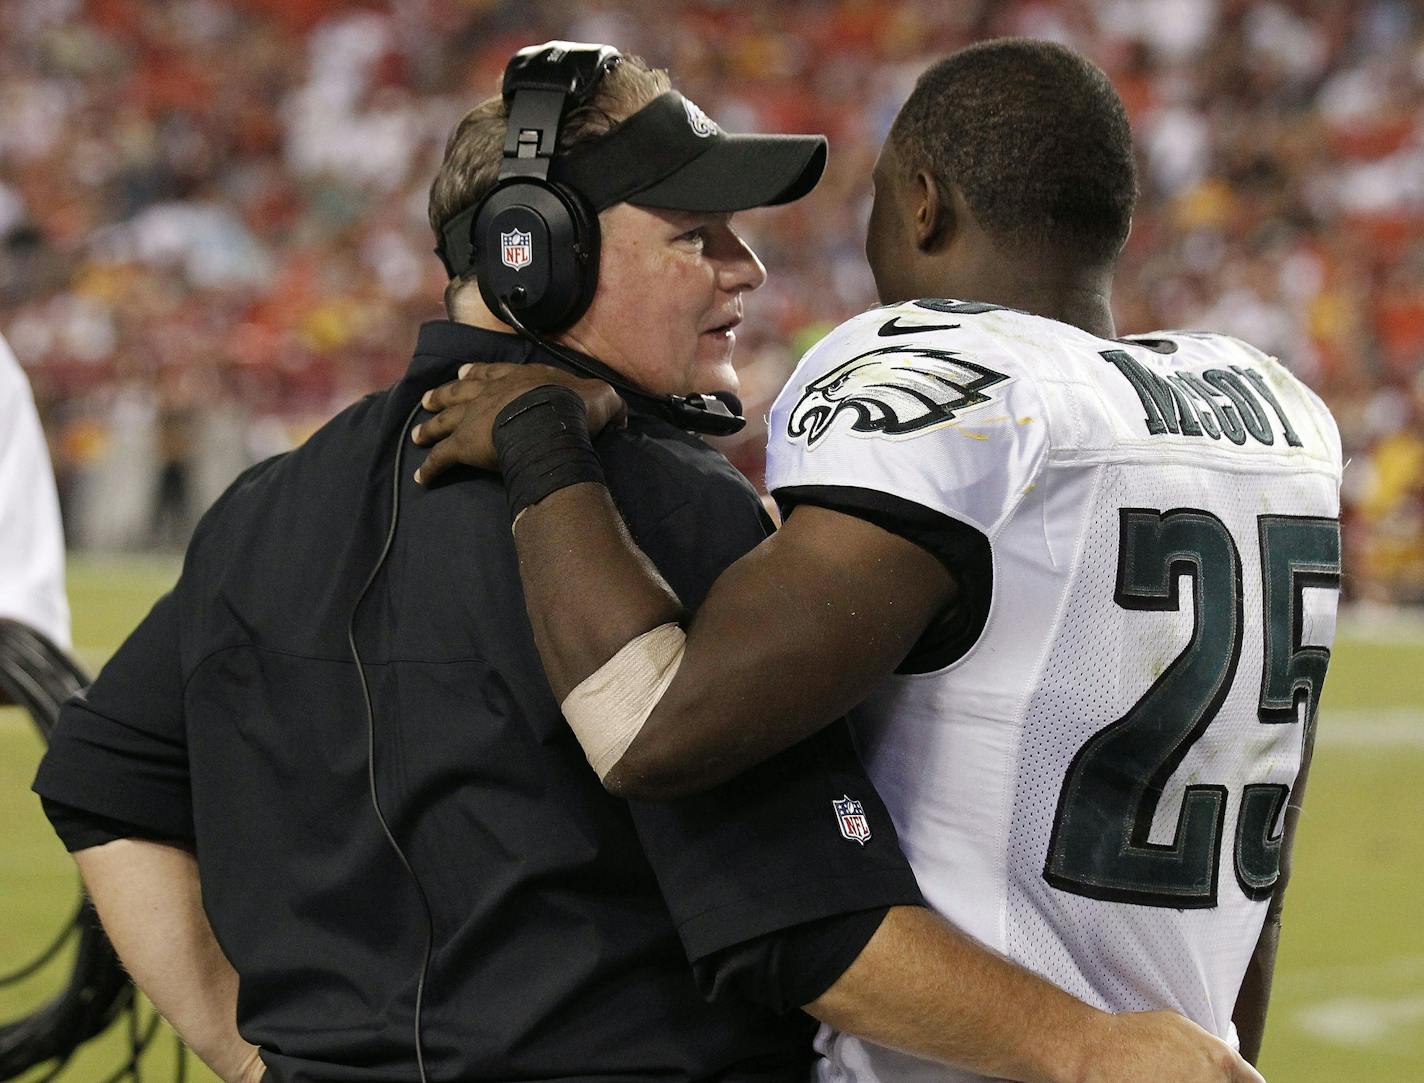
(1095, 787)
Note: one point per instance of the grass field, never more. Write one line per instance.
(1349, 1001)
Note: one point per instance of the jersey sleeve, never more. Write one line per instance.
(1319, 421)
(31, 539)
(945, 419)
(119, 749)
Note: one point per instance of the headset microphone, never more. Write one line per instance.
(714, 413)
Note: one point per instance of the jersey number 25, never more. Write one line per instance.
(1099, 845)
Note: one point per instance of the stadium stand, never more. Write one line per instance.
(213, 213)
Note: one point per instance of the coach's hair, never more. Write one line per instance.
(1035, 137)
(475, 148)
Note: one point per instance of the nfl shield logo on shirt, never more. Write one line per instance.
(516, 249)
(850, 814)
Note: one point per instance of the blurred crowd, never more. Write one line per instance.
(213, 213)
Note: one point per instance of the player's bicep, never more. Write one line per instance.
(790, 637)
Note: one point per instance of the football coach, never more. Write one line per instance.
(323, 797)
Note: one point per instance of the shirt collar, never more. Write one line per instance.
(442, 346)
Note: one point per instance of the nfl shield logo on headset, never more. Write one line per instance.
(516, 249)
(850, 814)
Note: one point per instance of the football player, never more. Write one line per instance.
(1084, 584)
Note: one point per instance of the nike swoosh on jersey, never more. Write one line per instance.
(893, 326)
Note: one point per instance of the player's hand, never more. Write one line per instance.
(1162, 1047)
(461, 432)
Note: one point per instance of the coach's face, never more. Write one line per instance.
(670, 287)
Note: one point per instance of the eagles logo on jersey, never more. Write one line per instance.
(895, 390)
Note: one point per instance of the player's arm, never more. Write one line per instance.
(148, 898)
(788, 639)
(1254, 997)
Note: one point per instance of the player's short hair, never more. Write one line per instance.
(475, 148)
(1035, 137)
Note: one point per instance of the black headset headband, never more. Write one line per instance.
(541, 83)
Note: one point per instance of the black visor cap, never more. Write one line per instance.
(669, 155)
(742, 172)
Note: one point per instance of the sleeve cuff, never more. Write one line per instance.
(816, 958)
(155, 811)
(805, 901)
(80, 830)
(787, 970)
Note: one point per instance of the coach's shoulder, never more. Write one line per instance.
(651, 464)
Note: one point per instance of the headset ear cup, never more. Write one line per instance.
(536, 247)
(505, 235)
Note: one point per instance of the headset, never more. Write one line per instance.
(533, 243)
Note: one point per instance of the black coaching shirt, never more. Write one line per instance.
(564, 919)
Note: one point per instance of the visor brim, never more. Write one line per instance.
(739, 172)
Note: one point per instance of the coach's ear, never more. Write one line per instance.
(935, 206)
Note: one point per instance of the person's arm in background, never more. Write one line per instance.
(114, 783)
(31, 537)
(148, 898)
(905, 978)
(1254, 997)
(922, 987)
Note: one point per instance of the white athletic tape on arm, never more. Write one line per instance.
(608, 708)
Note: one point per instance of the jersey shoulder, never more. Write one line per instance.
(904, 370)
(955, 327)
(1200, 383)
(918, 401)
